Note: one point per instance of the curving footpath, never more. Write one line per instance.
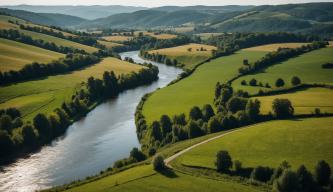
(168, 160)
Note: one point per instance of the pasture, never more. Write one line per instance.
(275, 46)
(190, 55)
(144, 178)
(300, 141)
(109, 44)
(44, 95)
(14, 55)
(59, 41)
(117, 38)
(198, 88)
(306, 66)
(304, 101)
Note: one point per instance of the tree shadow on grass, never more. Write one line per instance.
(168, 173)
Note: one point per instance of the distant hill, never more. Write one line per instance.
(53, 19)
(220, 9)
(86, 12)
(149, 18)
(310, 17)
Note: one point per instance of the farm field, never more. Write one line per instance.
(10, 60)
(157, 36)
(144, 178)
(189, 58)
(303, 101)
(109, 44)
(117, 38)
(275, 46)
(59, 41)
(306, 66)
(4, 24)
(197, 89)
(46, 94)
(300, 141)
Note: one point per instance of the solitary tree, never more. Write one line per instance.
(245, 62)
(253, 82)
(282, 108)
(323, 173)
(223, 161)
(158, 163)
(295, 81)
(279, 82)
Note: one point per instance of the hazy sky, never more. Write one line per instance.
(153, 3)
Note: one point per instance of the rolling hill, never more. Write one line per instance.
(51, 19)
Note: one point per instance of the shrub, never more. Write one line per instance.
(262, 174)
(137, 155)
(238, 166)
(323, 173)
(279, 82)
(295, 81)
(223, 162)
(282, 108)
(253, 82)
(158, 163)
(243, 82)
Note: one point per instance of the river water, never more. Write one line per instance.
(90, 145)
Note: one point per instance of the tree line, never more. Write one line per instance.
(229, 43)
(281, 54)
(15, 35)
(282, 178)
(36, 70)
(16, 135)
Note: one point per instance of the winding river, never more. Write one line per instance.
(90, 145)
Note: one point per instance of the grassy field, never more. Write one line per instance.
(304, 101)
(45, 95)
(301, 141)
(11, 60)
(189, 58)
(156, 35)
(197, 89)
(275, 46)
(117, 38)
(4, 24)
(307, 67)
(144, 178)
(109, 44)
(59, 41)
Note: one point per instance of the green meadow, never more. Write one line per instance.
(299, 141)
(11, 60)
(44, 95)
(307, 67)
(190, 58)
(144, 178)
(304, 101)
(198, 88)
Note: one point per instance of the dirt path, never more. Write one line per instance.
(171, 158)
